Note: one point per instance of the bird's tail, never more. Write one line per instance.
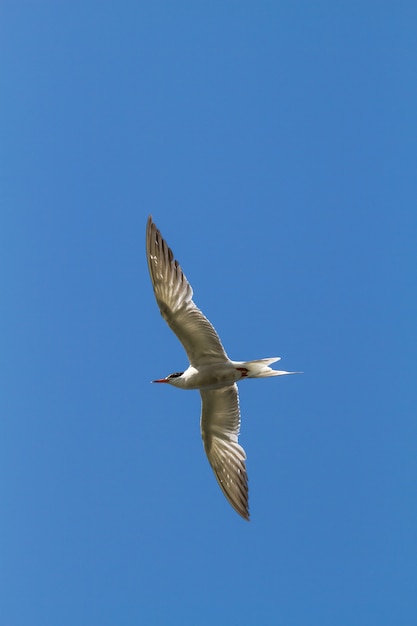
(261, 369)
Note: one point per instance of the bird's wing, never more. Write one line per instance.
(174, 295)
(220, 421)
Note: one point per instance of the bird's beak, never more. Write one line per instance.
(160, 380)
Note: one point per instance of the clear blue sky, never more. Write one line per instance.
(274, 143)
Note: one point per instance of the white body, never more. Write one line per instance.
(224, 373)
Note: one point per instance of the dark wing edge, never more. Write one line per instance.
(172, 289)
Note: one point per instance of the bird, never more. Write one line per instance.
(210, 370)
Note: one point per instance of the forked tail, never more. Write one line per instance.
(261, 369)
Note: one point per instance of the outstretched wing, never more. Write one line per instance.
(220, 422)
(174, 295)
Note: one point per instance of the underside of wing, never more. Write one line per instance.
(174, 295)
(220, 422)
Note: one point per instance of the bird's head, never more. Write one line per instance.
(172, 379)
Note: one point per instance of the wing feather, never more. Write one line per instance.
(174, 294)
(220, 423)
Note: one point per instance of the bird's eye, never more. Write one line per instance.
(175, 375)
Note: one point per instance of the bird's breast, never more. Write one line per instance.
(211, 376)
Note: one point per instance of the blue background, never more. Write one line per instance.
(274, 143)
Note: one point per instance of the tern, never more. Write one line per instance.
(210, 370)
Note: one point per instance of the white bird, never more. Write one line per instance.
(210, 370)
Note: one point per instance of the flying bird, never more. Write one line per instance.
(210, 370)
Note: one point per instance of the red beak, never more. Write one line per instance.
(160, 380)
